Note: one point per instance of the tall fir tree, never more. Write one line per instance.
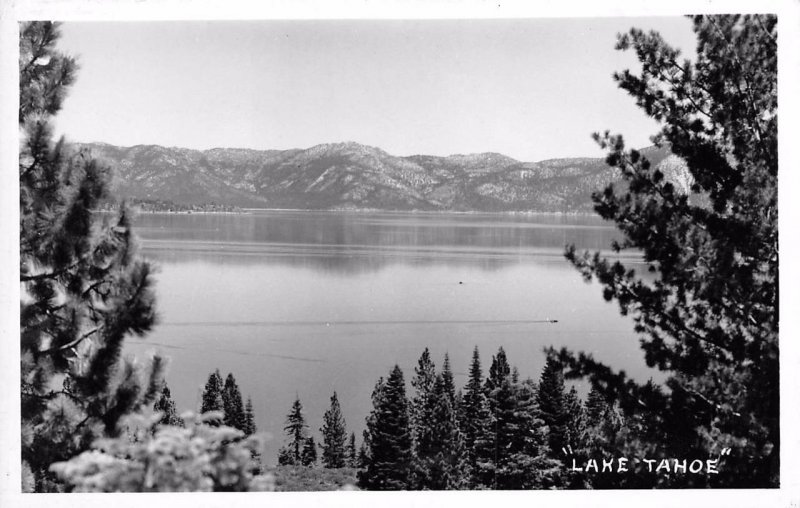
(389, 442)
(575, 418)
(552, 405)
(334, 436)
(513, 452)
(447, 378)
(211, 399)
(166, 406)
(249, 419)
(498, 371)
(596, 405)
(708, 316)
(232, 404)
(83, 288)
(295, 429)
(474, 410)
(422, 382)
(439, 454)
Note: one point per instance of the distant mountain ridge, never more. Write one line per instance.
(354, 176)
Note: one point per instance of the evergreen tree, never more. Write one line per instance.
(423, 381)
(211, 400)
(166, 406)
(709, 318)
(447, 378)
(83, 287)
(250, 429)
(499, 370)
(575, 418)
(334, 436)
(475, 411)
(389, 454)
(552, 405)
(439, 461)
(596, 405)
(308, 456)
(232, 405)
(296, 432)
(513, 452)
(351, 454)
(249, 419)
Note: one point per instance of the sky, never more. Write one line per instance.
(531, 89)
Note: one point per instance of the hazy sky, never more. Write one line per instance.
(531, 89)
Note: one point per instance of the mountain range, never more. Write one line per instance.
(354, 176)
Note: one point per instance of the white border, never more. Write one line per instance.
(12, 11)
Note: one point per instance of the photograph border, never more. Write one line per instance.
(788, 11)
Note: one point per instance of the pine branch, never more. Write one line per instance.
(72, 343)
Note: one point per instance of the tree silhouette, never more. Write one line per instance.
(232, 405)
(84, 289)
(166, 406)
(211, 399)
(334, 436)
(709, 319)
(249, 419)
(295, 429)
(388, 460)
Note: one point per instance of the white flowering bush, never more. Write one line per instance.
(160, 458)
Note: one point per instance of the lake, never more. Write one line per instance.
(304, 303)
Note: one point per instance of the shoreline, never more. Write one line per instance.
(252, 211)
(432, 212)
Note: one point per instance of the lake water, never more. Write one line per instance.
(304, 303)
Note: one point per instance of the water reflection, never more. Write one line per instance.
(355, 242)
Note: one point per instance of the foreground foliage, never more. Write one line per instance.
(84, 290)
(199, 457)
(710, 316)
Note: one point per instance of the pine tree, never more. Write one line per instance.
(352, 451)
(423, 381)
(389, 454)
(166, 406)
(308, 456)
(499, 370)
(296, 431)
(523, 439)
(249, 419)
(439, 459)
(211, 400)
(512, 453)
(447, 378)
(552, 404)
(596, 405)
(334, 436)
(575, 443)
(84, 289)
(575, 418)
(709, 318)
(232, 405)
(475, 412)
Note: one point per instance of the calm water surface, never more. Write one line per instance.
(304, 303)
